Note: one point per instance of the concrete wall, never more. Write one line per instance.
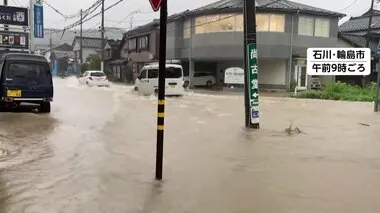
(272, 72)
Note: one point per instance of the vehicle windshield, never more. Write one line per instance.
(28, 71)
(97, 74)
(171, 72)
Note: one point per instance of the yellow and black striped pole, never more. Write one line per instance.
(161, 91)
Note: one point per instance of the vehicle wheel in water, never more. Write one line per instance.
(209, 84)
(2, 107)
(136, 89)
(45, 107)
(156, 91)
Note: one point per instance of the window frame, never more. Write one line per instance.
(328, 27)
(132, 41)
(140, 39)
(304, 24)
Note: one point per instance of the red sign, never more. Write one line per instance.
(155, 4)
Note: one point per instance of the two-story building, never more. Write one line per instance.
(115, 66)
(354, 32)
(89, 46)
(210, 39)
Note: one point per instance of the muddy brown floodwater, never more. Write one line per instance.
(96, 153)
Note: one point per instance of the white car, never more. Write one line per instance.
(147, 81)
(94, 78)
(203, 79)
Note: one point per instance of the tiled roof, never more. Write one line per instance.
(88, 42)
(63, 54)
(360, 23)
(267, 4)
(113, 42)
(284, 5)
(358, 40)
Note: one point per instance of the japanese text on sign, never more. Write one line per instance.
(253, 82)
(338, 61)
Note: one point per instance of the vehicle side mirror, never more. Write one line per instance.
(139, 77)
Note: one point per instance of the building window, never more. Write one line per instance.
(132, 44)
(322, 27)
(277, 23)
(227, 22)
(235, 22)
(239, 23)
(262, 22)
(306, 26)
(187, 29)
(144, 43)
(270, 23)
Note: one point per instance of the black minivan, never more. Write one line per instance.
(25, 78)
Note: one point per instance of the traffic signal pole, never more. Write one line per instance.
(251, 94)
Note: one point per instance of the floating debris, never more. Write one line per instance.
(290, 131)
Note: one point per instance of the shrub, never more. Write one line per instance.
(341, 91)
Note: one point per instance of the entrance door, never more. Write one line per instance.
(301, 77)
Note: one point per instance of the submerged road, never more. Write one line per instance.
(96, 153)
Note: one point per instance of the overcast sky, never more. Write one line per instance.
(114, 16)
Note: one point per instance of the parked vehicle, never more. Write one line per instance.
(203, 79)
(25, 78)
(94, 78)
(147, 81)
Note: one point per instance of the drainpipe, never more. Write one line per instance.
(291, 55)
(191, 73)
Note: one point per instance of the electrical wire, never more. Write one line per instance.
(16, 2)
(348, 6)
(77, 23)
(53, 8)
(125, 18)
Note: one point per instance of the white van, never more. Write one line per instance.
(147, 81)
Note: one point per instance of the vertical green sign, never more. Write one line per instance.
(253, 83)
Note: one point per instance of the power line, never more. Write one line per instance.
(125, 18)
(348, 6)
(55, 10)
(16, 2)
(88, 19)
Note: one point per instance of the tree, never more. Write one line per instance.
(93, 62)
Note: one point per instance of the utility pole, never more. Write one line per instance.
(50, 41)
(131, 23)
(368, 37)
(191, 72)
(251, 94)
(81, 37)
(161, 90)
(6, 26)
(102, 37)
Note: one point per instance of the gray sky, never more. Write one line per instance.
(121, 11)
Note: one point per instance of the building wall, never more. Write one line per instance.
(229, 45)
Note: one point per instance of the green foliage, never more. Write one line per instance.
(341, 91)
(93, 62)
(83, 67)
(293, 85)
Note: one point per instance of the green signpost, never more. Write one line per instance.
(253, 84)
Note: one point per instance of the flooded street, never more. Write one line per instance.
(96, 153)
